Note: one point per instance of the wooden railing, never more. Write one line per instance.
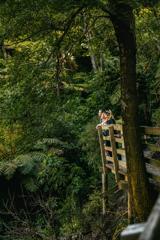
(145, 231)
(114, 156)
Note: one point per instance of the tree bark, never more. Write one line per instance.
(124, 25)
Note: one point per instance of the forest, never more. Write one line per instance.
(61, 61)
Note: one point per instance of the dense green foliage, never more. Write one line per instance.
(59, 64)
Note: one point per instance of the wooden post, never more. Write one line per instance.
(104, 173)
(114, 153)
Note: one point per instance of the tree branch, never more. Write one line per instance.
(68, 25)
(65, 31)
(105, 9)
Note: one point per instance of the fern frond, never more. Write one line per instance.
(9, 169)
(27, 162)
(53, 141)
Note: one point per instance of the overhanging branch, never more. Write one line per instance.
(65, 31)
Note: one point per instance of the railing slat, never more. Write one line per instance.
(151, 130)
(108, 148)
(117, 139)
(132, 232)
(117, 127)
(114, 153)
(108, 158)
(155, 171)
(152, 147)
(121, 151)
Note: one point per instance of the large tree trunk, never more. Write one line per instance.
(124, 25)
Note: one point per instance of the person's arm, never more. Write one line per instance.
(99, 125)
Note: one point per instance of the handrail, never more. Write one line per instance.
(150, 132)
(145, 231)
(152, 228)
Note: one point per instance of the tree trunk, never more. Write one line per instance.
(88, 36)
(124, 25)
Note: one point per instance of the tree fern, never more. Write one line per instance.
(27, 162)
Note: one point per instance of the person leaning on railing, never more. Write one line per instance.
(106, 118)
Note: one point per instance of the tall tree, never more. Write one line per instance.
(123, 21)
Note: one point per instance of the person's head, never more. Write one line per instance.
(105, 114)
(108, 114)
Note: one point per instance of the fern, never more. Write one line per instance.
(10, 169)
(28, 161)
(25, 163)
(48, 142)
(53, 142)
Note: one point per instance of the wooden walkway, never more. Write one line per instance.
(113, 157)
(114, 151)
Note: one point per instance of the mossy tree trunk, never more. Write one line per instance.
(124, 24)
